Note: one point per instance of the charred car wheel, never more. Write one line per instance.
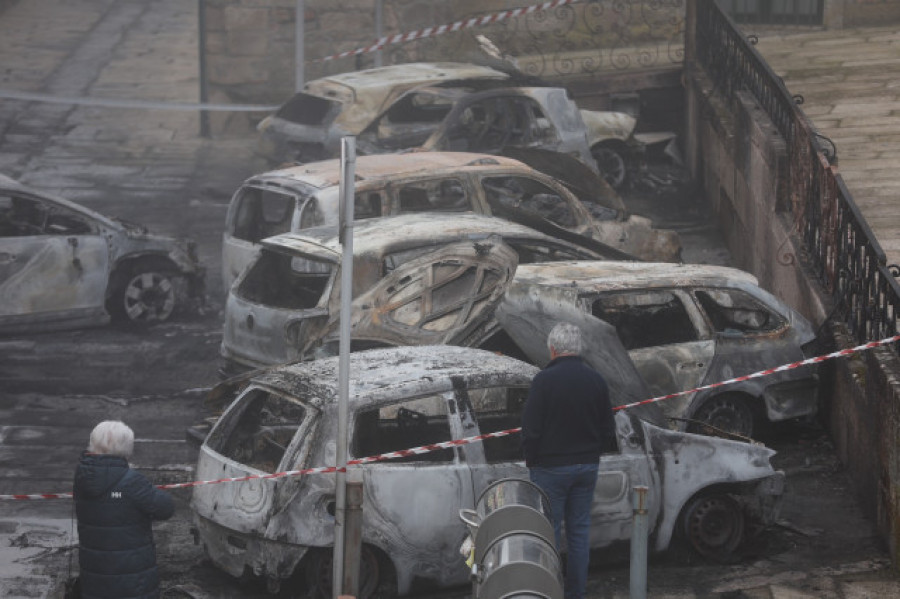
(611, 164)
(318, 573)
(713, 525)
(143, 297)
(729, 412)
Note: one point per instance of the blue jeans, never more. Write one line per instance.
(571, 492)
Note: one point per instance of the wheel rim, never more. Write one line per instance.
(728, 413)
(319, 573)
(149, 297)
(714, 526)
(611, 165)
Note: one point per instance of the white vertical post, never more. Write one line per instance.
(639, 530)
(299, 42)
(379, 30)
(348, 175)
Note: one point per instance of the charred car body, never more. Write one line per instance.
(407, 397)
(432, 279)
(310, 125)
(300, 197)
(682, 326)
(63, 265)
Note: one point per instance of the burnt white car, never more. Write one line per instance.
(431, 278)
(301, 197)
(63, 265)
(466, 119)
(309, 126)
(703, 489)
(683, 326)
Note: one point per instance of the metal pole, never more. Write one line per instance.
(201, 49)
(379, 30)
(639, 527)
(353, 532)
(348, 175)
(299, 41)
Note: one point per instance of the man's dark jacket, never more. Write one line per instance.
(115, 507)
(568, 418)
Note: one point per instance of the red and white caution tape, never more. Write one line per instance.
(457, 442)
(761, 373)
(442, 29)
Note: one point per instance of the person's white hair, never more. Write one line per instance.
(564, 338)
(112, 437)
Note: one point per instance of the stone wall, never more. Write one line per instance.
(856, 13)
(250, 44)
(739, 160)
(864, 419)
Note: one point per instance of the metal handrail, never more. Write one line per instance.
(838, 243)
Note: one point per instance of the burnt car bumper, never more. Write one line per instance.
(764, 504)
(238, 553)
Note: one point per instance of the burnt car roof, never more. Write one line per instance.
(326, 173)
(408, 230)
(393, 75)
(378, 374)
(605, 275)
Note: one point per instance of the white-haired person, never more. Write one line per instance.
(115, 507)
(567, 423)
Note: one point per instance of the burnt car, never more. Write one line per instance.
(310, 125)
(301, 197)
(390, 109)
(431, 279)
(707, 491)
(464, 119)
(682, 326)
(63, 265)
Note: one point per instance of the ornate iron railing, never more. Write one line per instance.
(838, 244)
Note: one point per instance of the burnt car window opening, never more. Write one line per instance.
(499, 342)
(531, 252)
(306, 109)
(367, 205)
(280, 281)
(262, 213)
(445, 195)
(522, 193)
(411, 120)
(64, 222)
(20, 217)
(412, 423)
(646, 319)
(499, 409)
(258, 431)
(732, 311)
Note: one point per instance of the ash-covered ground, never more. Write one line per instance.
(56, 386)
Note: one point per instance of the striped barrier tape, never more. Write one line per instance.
(377, 45)
(457, 442)
(442, 29)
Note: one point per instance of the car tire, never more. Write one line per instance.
(142, 296)
(318, 573)
(611, 163)
(713, 526)
(729, 412)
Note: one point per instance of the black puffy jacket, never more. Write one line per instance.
(115, 507)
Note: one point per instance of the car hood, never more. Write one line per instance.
(528, 318)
